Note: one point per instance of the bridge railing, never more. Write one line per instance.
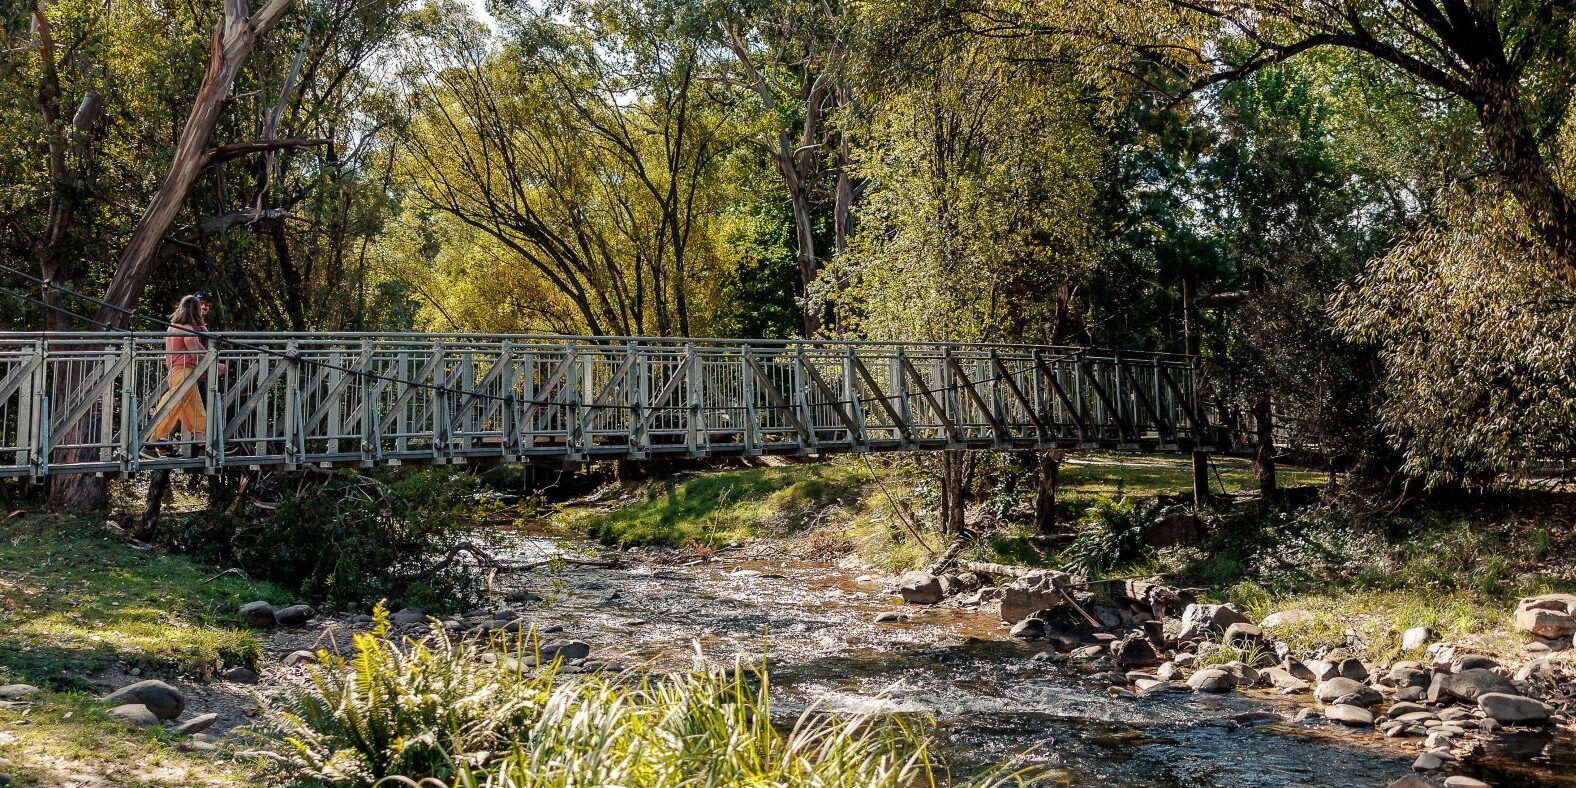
(88, 403)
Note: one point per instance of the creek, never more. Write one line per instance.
(990, 699)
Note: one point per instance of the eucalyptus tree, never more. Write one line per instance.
(582, 146)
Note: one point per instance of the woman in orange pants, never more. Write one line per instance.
(183, 352)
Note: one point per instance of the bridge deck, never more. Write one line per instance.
(87, 403)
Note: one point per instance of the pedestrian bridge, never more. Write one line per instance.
(86, 403)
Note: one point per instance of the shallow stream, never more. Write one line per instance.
(991, 701)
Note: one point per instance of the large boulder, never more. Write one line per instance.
(1512, 708)
(1469, 685)
(1244, 636)
(259, 615)
(165, 701)
(920, 588)
(1200, 622)
(566, 650)
(1041, 589)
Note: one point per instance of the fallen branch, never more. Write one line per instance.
(231, 571)
(526, 567)
(994, 570)
(236, 150)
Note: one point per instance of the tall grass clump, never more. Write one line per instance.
(445, 713)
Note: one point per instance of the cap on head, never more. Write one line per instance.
(202, 295)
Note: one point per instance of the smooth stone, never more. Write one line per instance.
(1347, 714)
(1305, 714)
(1428, 762)
(1323, 670)
(1416, 717)
(165, 701)
(1338, 688)
(1201, 621)
(1119, 692)
(1030, 628)
(564, 649)
(1545, 623)
(17, 691)
(1087, 652)
(196, 724)
(259, 615)
(1352, 668)
(1167, 671)
(920, 588)
(1415, 638)
(1473, 662)
(134, 714)
(1411, 694)
(1297, 669)
(410, 615)
(1167, 688)
(239, 675)
(300, 657)
(1397, 709)
(1411, 781)
(1463, 781)
(1286, 618)
(294, 615)
(1468, 684)
(1506, 708)
(1212, 680)
(889, 617)
(1282, 678)
(1438, 739)
(1243, 635)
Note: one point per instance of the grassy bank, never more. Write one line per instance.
(74, 602)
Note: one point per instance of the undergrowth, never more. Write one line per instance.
(437, 713)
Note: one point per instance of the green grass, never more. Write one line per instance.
(724, 507)
(75, 600)
(1106, 474)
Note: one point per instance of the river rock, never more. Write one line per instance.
(294, 615)
(1135, 651)
(165, 701)
(1411, 694)
(1245, 676)
(1463, 781)
(889, 616)
(1038, 590)
(1297, 669)
(1212, 680)
(1352, 668)
(300, 657)
(196, 724)
(1200, 622)
(565, 649)
(1243, 635)
(1028, 629)
(1407, 674)
(920, 588)
(1323, 670)
(1282, 678)
(1510, 709)
(1354, 692)
(1167, 688)
(259, 615)
(408, 616)
(135, 714)
(1411, 781)
(1549, 616)
(1472, 662)
(1398, 709)
(1086, 652)
(1428, 762)
(1468, 685)
(1286, 618)
(1167, 671)
(1347, 714)
(1415, 638)
(17, 691)
(240, 675)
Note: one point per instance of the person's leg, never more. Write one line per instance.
(166, 426)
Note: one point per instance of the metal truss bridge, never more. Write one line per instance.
(87, 402)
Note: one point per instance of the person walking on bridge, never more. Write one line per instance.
(185, 344)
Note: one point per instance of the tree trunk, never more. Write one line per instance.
(1508, 136)
(1050, 463)
(1264, 452)
(234, 38)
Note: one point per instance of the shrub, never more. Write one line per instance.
(1110, 534)
(437, 711)
(356, 538)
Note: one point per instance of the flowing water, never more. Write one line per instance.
(991, 700)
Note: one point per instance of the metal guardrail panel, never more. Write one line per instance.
(88, 403)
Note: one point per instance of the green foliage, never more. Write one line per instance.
(1110, 534)
(436, 709)
(77, 600)
(356, 538)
